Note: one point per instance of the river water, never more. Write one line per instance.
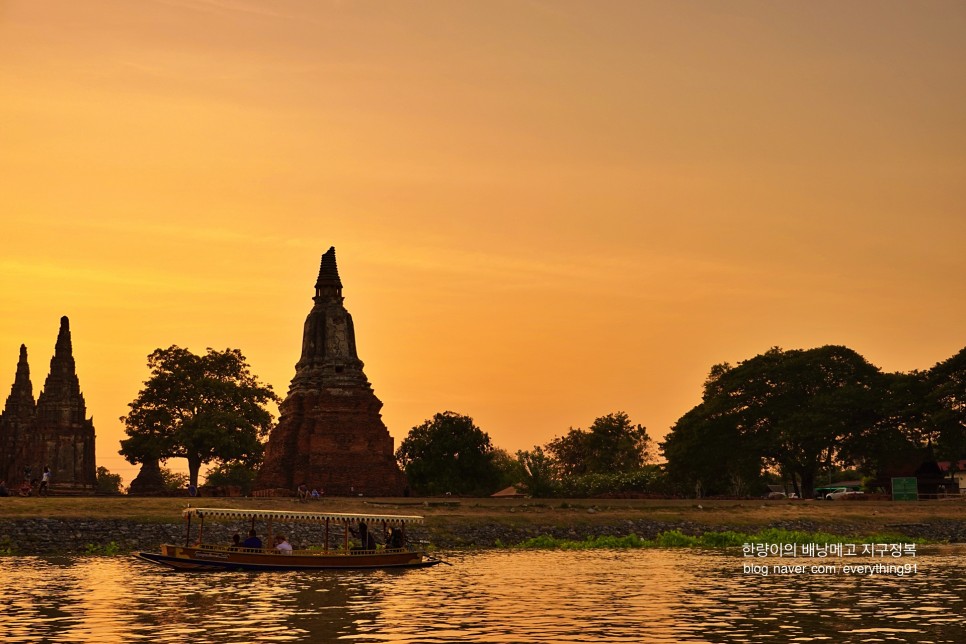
(494, 596)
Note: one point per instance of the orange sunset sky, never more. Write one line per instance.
(543, 212)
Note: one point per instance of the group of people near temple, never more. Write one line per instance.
(305, 495)
(30, 484)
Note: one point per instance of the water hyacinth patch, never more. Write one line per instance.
(110, 550)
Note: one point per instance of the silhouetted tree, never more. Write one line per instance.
(794, 409)
(233, 474)
(174, 482)
(569, 452)
(507, 467)
(202, 408)
(448, 454)
(946, 406)
(613, 444)
(107, 483)
(539, 472)
(899, 431)
(707, 455)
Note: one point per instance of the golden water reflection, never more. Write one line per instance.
(599, 596)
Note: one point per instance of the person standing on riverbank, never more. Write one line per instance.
(45, 482)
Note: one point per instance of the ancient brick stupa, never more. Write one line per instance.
(330, 434)
(17, 426)
(56, 431)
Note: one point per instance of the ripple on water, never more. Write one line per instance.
(544, 596)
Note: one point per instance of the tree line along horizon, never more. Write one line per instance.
(790, 417)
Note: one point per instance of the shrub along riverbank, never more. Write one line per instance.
(106, 525)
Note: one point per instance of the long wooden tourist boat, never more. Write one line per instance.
(324, 556)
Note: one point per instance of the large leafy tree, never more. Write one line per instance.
(569, 452)
(812, 402)
(899, 433)
(922, 415)
(707, 455)
(794, 409)
(202, 408)
(615, 444)
(612, 444)
(706, 452)
(448, 454)
(946, 406)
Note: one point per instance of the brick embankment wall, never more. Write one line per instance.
(79, 536)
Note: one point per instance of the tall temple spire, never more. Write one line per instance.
(328, 337)
(16, 420)
(63, 347)
(330, 433)
(328, 285)
(20, 402)
(61, 398)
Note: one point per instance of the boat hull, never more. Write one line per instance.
(200, 559)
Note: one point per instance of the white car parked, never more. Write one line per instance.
(842, 494)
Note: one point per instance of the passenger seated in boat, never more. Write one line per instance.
(235, 542)
(315, 494)
(394, 541)
(282, 545)
(252, 541)
(367, 541)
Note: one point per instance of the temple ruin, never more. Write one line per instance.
(330, 434)
(54, 431)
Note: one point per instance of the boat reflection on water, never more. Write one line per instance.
(495, 596)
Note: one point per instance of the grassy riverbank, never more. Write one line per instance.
(871, 516)
(79, 525)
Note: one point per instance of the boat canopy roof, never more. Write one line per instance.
(305, 517)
